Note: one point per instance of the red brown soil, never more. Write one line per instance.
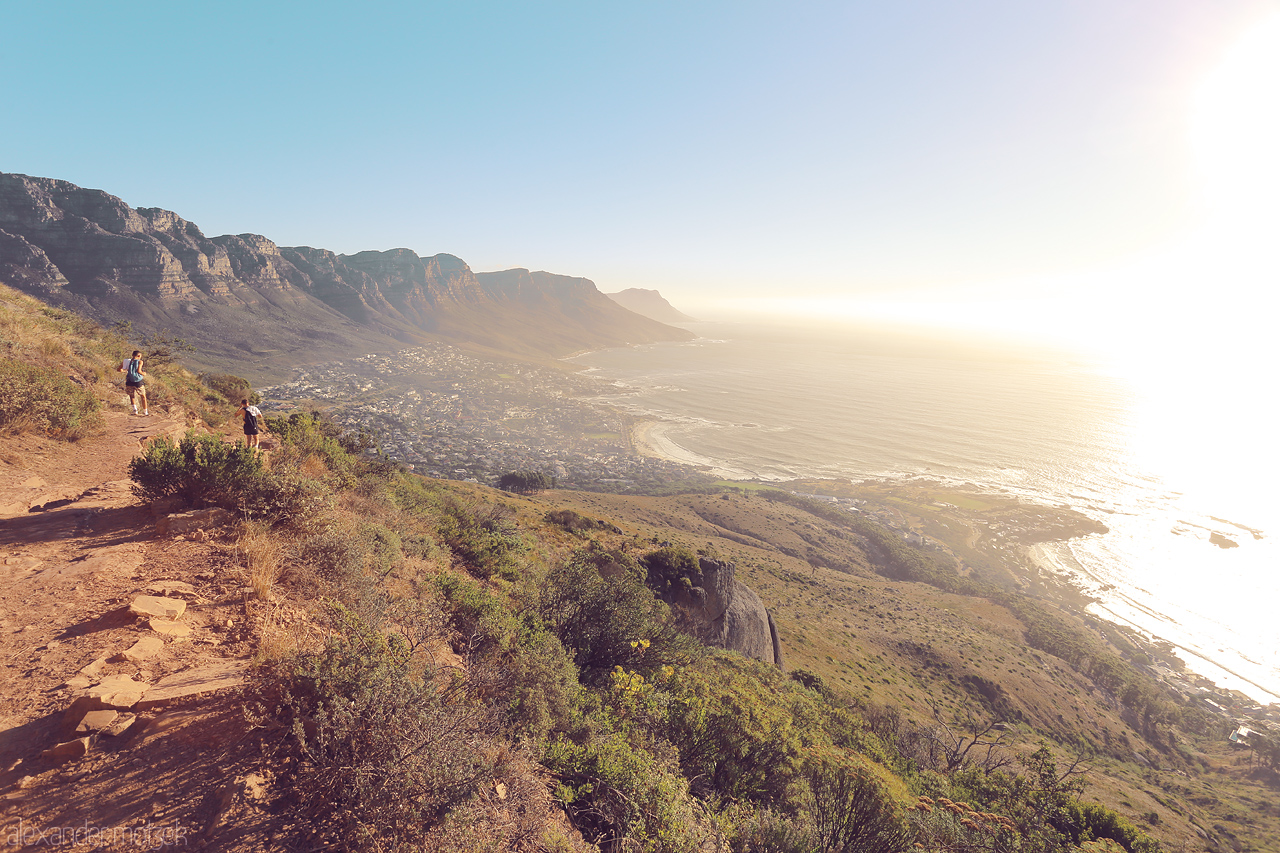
(75, 548)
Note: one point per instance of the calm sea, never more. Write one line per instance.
(1050, 426)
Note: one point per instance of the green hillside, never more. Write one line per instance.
(439, 665)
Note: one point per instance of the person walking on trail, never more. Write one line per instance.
(252, 420)
(135, 382)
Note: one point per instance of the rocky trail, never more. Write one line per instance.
(121, 636)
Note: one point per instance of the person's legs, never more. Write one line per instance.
(133, 397)
(142, 394)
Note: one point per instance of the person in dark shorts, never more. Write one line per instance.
(252, 423)
(135, 382)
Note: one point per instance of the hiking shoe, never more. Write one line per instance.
(146, 414)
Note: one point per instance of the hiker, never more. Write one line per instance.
(252, 417)
(135, 382)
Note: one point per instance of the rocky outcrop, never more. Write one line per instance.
(240, 297)
(725, 612)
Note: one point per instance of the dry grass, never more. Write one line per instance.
(313, 466)
(282, 633)
(262, 553)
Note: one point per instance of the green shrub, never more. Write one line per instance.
(852, 812)
(374, 753)
(41, 399)
(612, 790)
(575, 522)
(599, 619)
(767, 831)
(524, 670)
(231, 388)
(742, 736)
(482, 535)
(202, 470)
(670, 569)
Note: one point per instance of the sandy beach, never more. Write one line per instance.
(649, 438)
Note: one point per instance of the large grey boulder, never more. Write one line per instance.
(725, 612)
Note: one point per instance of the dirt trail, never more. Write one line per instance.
(76, 551)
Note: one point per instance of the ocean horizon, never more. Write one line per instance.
(1189, 557)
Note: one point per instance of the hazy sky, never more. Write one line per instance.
(700, 148)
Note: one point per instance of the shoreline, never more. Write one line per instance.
(1072, 588)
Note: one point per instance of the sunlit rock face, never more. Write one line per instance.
(726, 612)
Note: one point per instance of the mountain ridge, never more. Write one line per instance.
(651, 304)
(243, 299)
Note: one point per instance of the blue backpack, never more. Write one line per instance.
(134, 376)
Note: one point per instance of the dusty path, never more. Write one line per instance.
(76, 550)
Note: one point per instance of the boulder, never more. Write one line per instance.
(726, 612)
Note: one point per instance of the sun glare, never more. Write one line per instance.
(1236, 131)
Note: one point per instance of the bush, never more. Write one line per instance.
(40, 399)
(671, 569)
(202, 470)
(375, 754)
(612, 791)
(231, 388)
(522, 668)
(483, 536)
(852, 812)
(600, 619)
(767, 831)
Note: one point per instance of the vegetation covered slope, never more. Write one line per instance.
(479, 670)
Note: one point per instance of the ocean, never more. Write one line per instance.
(1191, 555)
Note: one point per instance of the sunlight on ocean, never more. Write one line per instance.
(1181, 479)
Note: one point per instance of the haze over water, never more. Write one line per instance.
(1051, 426)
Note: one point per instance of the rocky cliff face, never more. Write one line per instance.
(725, 612)
(242, 298)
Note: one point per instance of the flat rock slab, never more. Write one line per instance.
(118, 559)
(145, 649)
(68, 751)
(117, 692)
(199, 681)
(96, 721)
(120, 726)
(171, 588)
(169, 628)
(158, 606)
(185, 522)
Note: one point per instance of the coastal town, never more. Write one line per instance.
(449, 414)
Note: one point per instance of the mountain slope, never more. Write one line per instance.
(649, 303)
(249, 304)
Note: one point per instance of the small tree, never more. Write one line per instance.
(526, 482)
(162, 347)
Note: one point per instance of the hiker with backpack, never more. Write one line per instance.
(252, 419)
(135, 382)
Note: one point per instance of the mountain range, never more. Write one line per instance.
(251, 306)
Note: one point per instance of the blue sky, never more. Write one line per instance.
(703, 149)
